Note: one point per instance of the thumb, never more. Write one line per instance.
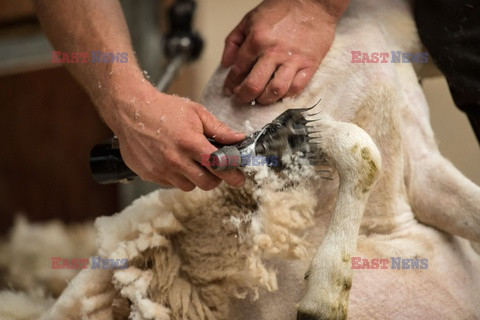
(214, 128)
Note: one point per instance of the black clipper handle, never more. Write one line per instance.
(107, 165)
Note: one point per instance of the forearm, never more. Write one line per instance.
(90, 25)
(157, 141)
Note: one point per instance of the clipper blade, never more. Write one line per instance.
(291, 132)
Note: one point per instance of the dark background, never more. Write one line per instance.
(47, 127)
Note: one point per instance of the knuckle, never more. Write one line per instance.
(265, 100)
(174, 162)
(258, 37)
(235, 77)
(236, 71)
(278, 89)
(229, 39)
(253, 87)
(295, 89)
(170, 158)
(184, 143)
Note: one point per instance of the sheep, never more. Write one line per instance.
(284, 245)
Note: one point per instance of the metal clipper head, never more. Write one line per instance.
(286, 133)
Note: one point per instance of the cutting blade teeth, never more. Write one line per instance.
(303, 110)
(326, 178)
(312, 139)
(323, 170)
(310, 108)
(315, 160)
(316, 138)
(313, 114)
(315, 163)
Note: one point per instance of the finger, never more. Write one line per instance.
(143, 173)
(302, 78)
(256, 81)
(214, 128)
(160, 181)
(234, 178)
(200, 176)
(240, 69)
(180, 182)
(171, 181)
(278, 86)
(233, 43)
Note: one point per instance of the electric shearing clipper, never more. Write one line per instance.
(287, 132)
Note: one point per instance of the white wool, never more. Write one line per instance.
(23, 306)
(91, 304)
(126, 277)
(27, 254)
(248, 127)
(190, 253)
(151, 310)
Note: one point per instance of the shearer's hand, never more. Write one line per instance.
(275, 50)
(162, 138)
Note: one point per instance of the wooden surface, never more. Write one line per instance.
(12, 11)
(47, 128)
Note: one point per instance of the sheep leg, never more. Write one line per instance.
(329, 277)
(440, 195)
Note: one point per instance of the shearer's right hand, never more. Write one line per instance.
(163, 137)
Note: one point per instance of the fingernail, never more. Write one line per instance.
(227, 91)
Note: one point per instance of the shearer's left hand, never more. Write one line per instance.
(277, 47)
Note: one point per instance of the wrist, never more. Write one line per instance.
(122, 94)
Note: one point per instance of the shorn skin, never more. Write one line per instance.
(419, 206)
(205, 255)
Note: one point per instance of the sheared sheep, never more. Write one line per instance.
(244, 253)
